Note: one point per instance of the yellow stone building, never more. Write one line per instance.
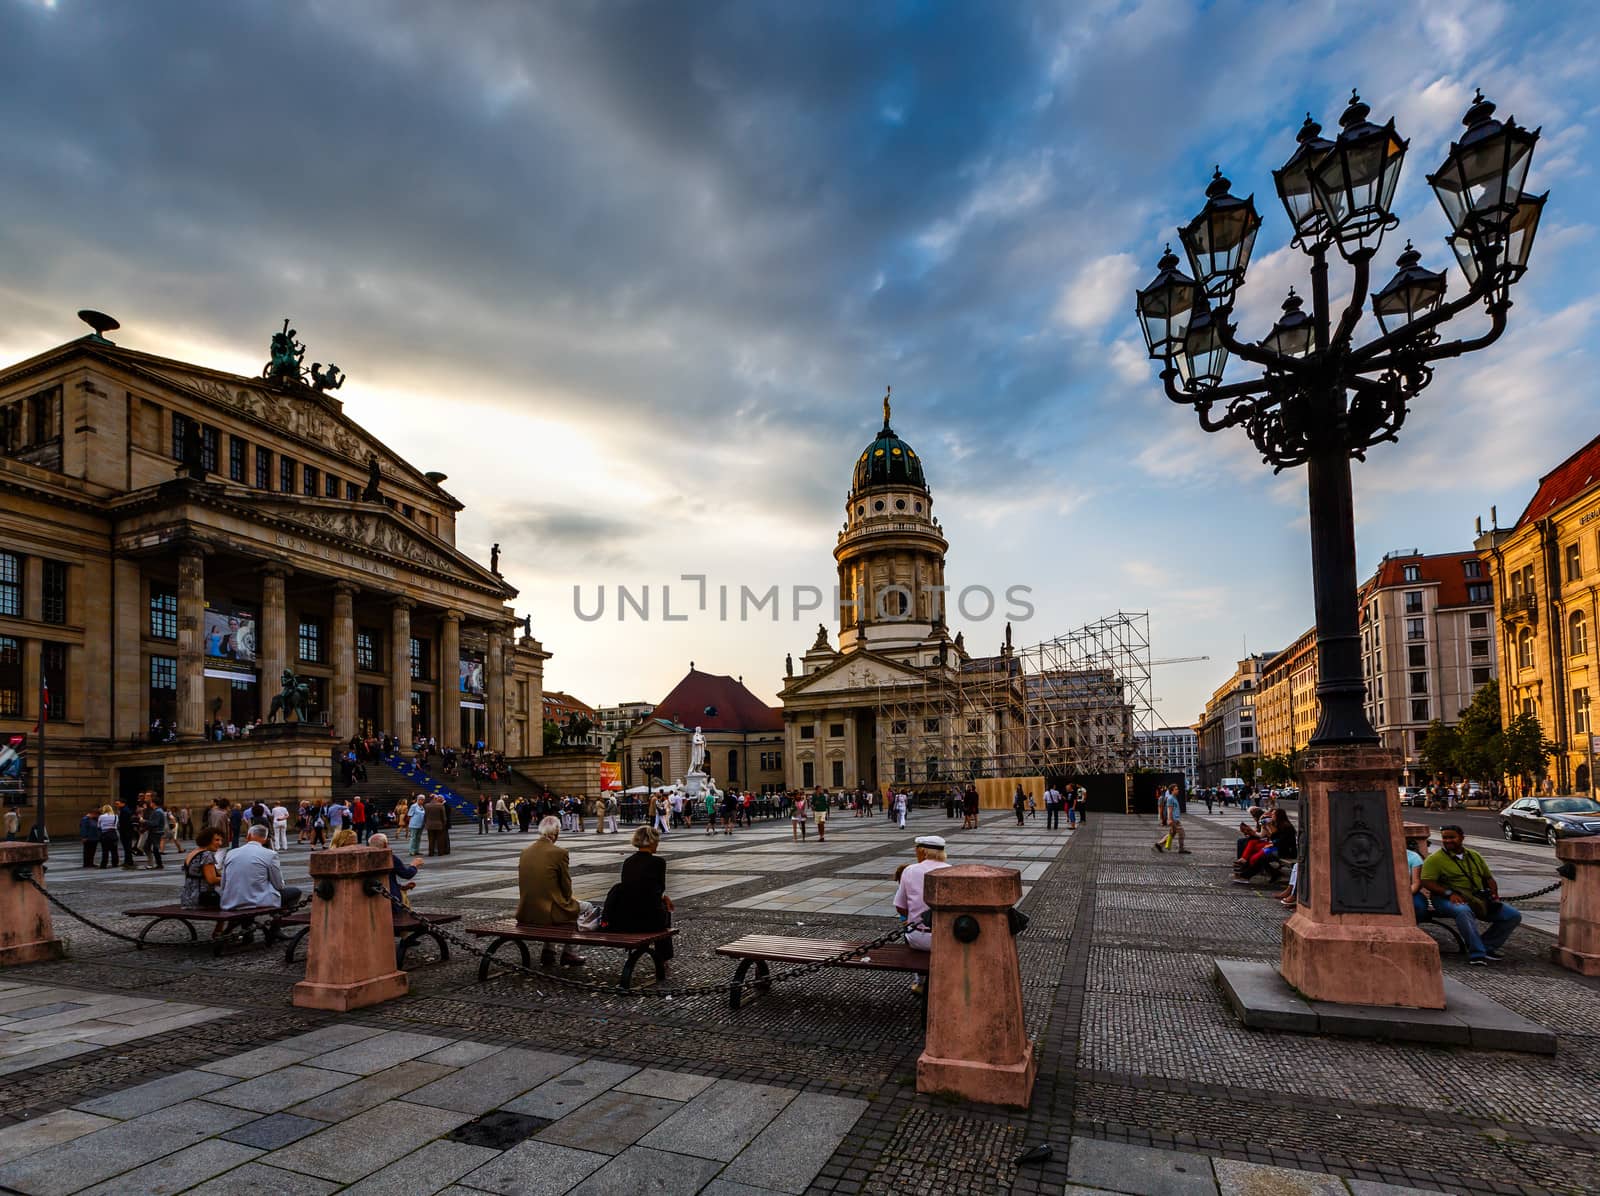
(1546, 578)
(173, 538)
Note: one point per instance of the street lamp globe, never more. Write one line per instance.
(1165, 307)
(1413, 292)
(1220, 238)
(1291, 335)
(1481, 181)
(1203, 356)
(1511, 256)
(1293, 181)
(1355, 180)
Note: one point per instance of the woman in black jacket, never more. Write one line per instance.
(639, 902)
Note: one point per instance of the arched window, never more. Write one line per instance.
(1525, 649)
(1577, 635)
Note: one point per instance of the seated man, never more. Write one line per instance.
(399, 871)
(1460, 885)
(544, 885)
(251, 876)
(909, 902)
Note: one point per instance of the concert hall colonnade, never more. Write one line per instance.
(173, 538)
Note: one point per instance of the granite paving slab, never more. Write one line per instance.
(728, 1187)
(277, 1090)
(1139, 1170)
(380, 1053)
(493, 1081)
(257, 1179)
(611, 1122)
(64, 1125)
(356, 1148)
(156, 1094)
(560, 1095)
(257, 1062)
(673, 1085)
(177, 1172)
(1254, 1179)
(180, 1021)
(371, 1091)
(797, 1143)
(327, 1038)
(536, 1169)
(71, 1166)
(721, 1121)
(271, 1132)
(423, 1172)
(198, 1117)
(639, 1171)
(459, 1054)
(26, 1060)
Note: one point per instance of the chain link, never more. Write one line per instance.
(1536, 893)
(231, 937)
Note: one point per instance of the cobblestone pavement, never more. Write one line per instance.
(1146, 1084)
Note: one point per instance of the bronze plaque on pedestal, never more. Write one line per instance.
(1362, 864)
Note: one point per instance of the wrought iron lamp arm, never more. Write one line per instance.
(1402, 359)
(1234, 390)
(1251, 351)
(1478, 292)
(1358, 298)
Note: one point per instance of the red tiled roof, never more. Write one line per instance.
(1446, 568)
(1564, 483)
(737, 708)
(556, 700)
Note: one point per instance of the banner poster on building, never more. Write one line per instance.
(231, 635)
(610, 775)
(472, 673)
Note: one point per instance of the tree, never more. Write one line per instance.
(1525, 751)
(552, 735)
(1480, 752)
(1279, 769)
(1247, 769)
(1441, 749)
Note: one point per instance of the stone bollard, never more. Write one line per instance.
(350, 951)
(25, 931)
(1578, 937)
(977, 1047)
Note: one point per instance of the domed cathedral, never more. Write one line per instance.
(899, 702)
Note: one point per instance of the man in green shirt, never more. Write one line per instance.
(1460, 885)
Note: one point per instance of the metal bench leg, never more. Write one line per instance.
(488, 956)
(444, 946)
(734, 994)
(628, 966)
(762, 985)
(294, 944)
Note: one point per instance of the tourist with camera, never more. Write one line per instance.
(1460, 885)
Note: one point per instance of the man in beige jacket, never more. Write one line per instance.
(544, 886)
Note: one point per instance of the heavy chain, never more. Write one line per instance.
(230, 937)
(1536, 893)
(698, 990)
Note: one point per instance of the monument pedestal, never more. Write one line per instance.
(26, 935)
(1353, 939)
(1578, 937)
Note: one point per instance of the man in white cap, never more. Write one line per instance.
(909, 902)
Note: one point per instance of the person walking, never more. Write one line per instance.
(416, 819)
(901, 801)
(109, 837)
(126, 832)
(358, 818)
(819, 807)
(798, 818)
(1019, 803)
(483, 813)
(433, 821)
(1170, 819)
(280, 826)
(1052, 809)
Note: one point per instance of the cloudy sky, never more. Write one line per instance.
(635, 276)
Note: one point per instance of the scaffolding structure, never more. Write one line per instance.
(1070, 706)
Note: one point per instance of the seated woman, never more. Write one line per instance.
(343, 837)
(639, 902)
(1280, 843)
(202, 879)
(1419, 899)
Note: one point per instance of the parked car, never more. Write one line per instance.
(1550, 818)
(1412, 795)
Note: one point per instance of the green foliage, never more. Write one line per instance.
(1525, 751)
(1480, 750)
(1441, 749)
(552, 735)
(1247, 770)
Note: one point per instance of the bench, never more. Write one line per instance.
(245, 917)
(408, 929)
(1432, 918)
(762, 949)
(635, 944)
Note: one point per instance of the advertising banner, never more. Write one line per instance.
(472, 673)
(610, 775)
(230, 635)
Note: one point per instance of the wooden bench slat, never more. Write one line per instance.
(201, 915)
(779, 949)
(570, 934)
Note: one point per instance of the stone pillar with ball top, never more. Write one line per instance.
(977, 1045)
(1353, 938)
(26, 935)
(350, 951)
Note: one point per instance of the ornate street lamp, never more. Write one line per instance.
(1319, 398)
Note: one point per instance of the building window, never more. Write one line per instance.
(1416, 629)
(931, 768)
(974, 725)
(1412, 573)
(1478, 621)
(236, 457)
(53, 677)
(808, 775)
(931, 726)
(308, 481)
(838, 773)
(10, 677)
(835, 730)
(1480, 648)
(1419, 683)
(1577, 635)
(1580, 711)
(164, 672)
(808, 731)
(897, 726)
(368, 651)
(1525, 649)
(352, 492)
(900, 770)
(180, 429)
(208, 448)
(1478, 592)
(1419, 711)
(1417, 656)
(771, 761)
(330, 487)
(1472, 568)
(1574, 563)
(311, 641)
(11, 584)
(1413, 602)
(263, 469)
(286, 475)
(419, 659)
(54, 593)
(163, 613)
(1480, 677)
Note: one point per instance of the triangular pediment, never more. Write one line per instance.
(376, 530)
(852, 671)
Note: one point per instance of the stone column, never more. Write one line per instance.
(400, 674)
(274, 654)
(976, 1049)
(1353, 939)
(344, 660)
(131, 679)
(494, 691)
(191, 643)
(93, 676)
(450, 678)
(1578, 937)
(350, 950)
(25, 929)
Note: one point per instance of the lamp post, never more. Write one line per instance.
(1320, 399)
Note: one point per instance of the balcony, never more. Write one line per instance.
(1520, 608)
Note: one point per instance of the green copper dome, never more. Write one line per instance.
(888, 461)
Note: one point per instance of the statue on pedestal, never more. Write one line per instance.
(295, 699)
(697, 751)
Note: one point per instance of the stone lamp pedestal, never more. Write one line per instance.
(26, 935)
(1578, 938)
(350, 951)
(977, 1045)
(1353, 939)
